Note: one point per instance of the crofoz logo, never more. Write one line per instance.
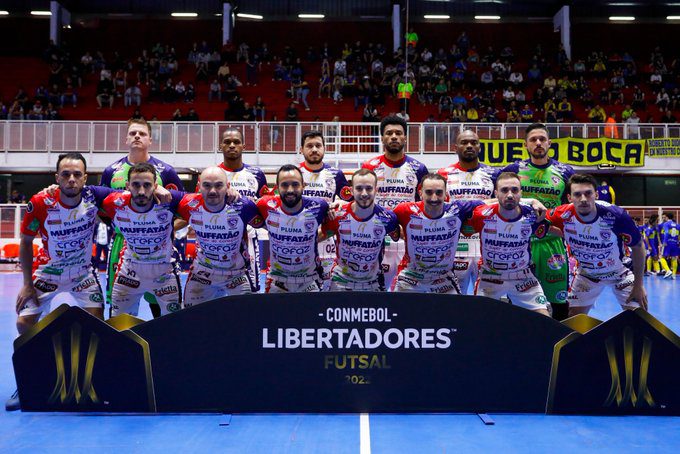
(627, 395)
(68, 388)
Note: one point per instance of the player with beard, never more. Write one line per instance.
(221, 264)
(115, 176)
(506, 228)
(597, 234)
(249, 181)
(292, 221)
(468, 179)
(546, 179)
(325, 182)
(360, 229)
(147, 263)
(431, 231)
(399, 177)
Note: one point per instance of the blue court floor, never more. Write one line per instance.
(312, 433)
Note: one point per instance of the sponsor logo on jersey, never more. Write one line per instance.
(29, 207)
(556, 261)
(119, 201)
(167, 290)
(126, 281)
(561, 295)
(45, 286)
(200, 280)
(193, 203)
(627, 239)
(487, 211)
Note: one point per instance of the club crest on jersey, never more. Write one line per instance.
(525, 231)
(541, 231)
(556, 180)
(193, 203)
(487, 211)
(119, 202)
(451, 223)
(232, 222)
(566, 215)
(605, 235)
(163, 217)
(411, 179)
(627, 239)
(272, 203)
(346, 193)
(378, 231)
(414, 208)
(309, 226)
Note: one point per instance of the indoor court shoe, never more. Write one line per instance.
(668, 274)
(13, 403)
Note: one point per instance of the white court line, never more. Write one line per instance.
(365, 434)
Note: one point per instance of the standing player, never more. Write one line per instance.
(249, 181)
(468, 180)
(669, 240)
(115, 176)
(506, 229)
(399, 176)
(325, 182)
(221, 265)
(545, 179)
(431, 230)
(65, 222)
(292, 222)
(596, 233)
(146, 263)
(654, 241)
(360, 229)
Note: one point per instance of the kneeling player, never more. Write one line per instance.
(505, 229)
(221, 267)
(146, 263)
(360, 229)
(292, 221)
(431, 231)
(596, 233)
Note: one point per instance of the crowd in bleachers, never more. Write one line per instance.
(457, 83)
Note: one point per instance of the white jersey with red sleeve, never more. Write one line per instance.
(148, 235)
(474, 184)
(292, 237)
(505, 242)
(598, 245)
(361, 242)
(249, 181)
(397, 181)
(326, 183)
(219, 235)
(431, 243)
(66, 231)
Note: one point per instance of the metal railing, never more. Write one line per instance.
(283, 137)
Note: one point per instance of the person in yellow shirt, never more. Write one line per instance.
(564, 110)
(472, 114)
(597, 114)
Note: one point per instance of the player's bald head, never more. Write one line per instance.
(466, 135)
(213, 173)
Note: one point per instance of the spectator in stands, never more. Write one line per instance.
(656, 80)
(458, 114)
(662, 99)
(259, 109)
(487, 79)
(633, 128)
(180, 90)
(513, 115)
(51, 113)
(668, 117)
(86, 62)
(534, 74)
(214, 91)
(17, 197)
(177, 115)
(36, 112)
(133, 95)
(370, 114)
(445, 106)
(292, 112)
(508, 96)
(638, 99)
(403, 114)
(70, 96)
(426, 93)
(527, 114)
(564, 110)
(16, 111)
(491, 115)
(202, 71)
(597, 114)
(252, 71)
(4, 111)
(516, 79)
(120, 82)
(223, 72)
(105, 98)
(611, 130)
(579, 67)
(137, 114)
(520, 97)
(190, 93)
(472, 115)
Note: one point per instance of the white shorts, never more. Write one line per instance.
(523, 291)
(134, 279)
(585, 290)
(81, 283)
(327, 255)
(205, 284)
(254, 254)
(274, 285)
(445, 284)
(339, 285)
(394, 253)
(467, 271)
